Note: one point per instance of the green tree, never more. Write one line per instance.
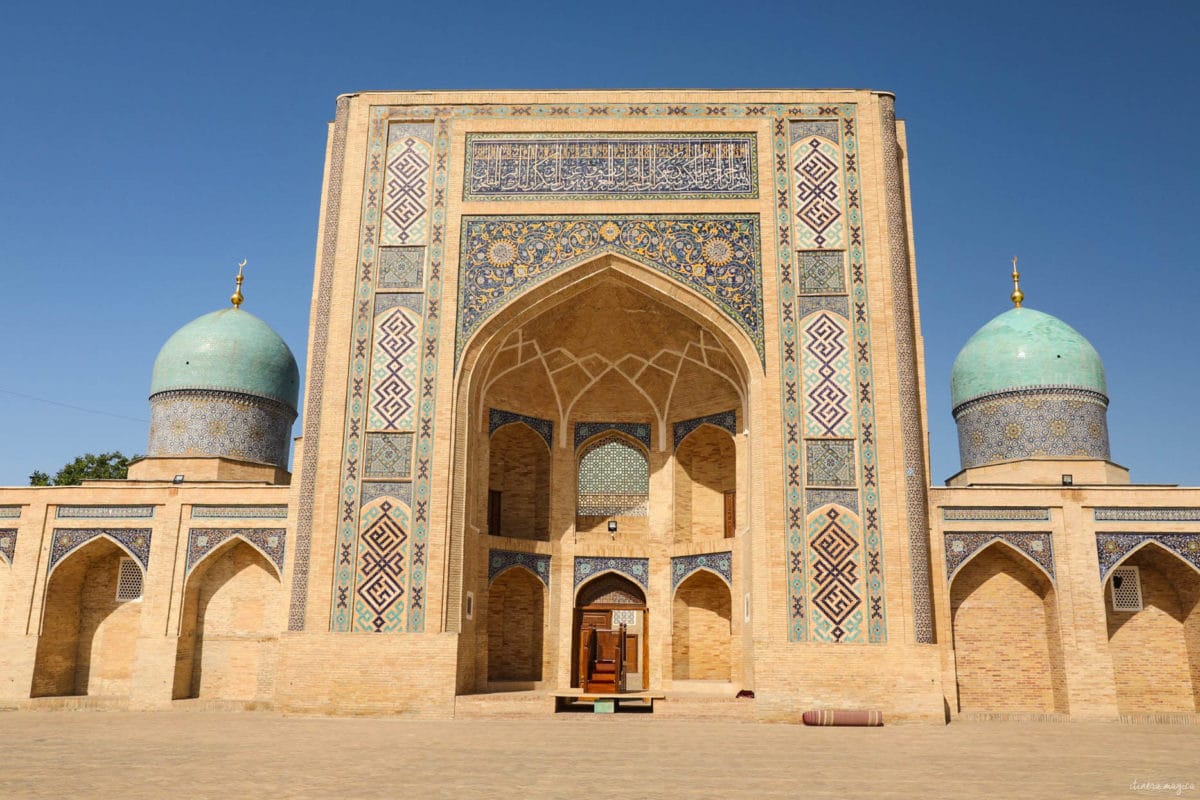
(89, 466)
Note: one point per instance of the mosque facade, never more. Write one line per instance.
(611, 396)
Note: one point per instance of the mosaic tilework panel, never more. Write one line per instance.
(822, 271)
(240, 512)
(389, 455)
(1147, 514)
(1032, 424)
(635, 430)
(829, 463)
(407, 187)
(716, 255)
(542, 427)
(401, 268)
(1112, 547)
(835, 577)
(104, 512)
(394, 599)
(136, 541)
(373, 490)
(960, 547)
(395, 358)
(220, 424)
(268, 541)
(10, 512)
(614, 480)
(384, 587)
(817, 191)
(638, 166)
(8, 544)
(683, 566)
(965, 514)
(828, 383)
(846, 498)
(726, 420)
(500, 560)
(637, 569)
(793, 140)
(413, 301)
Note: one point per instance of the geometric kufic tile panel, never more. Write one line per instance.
(635, 430)
(1111, 548)
(683, 566)
(389, 455)
(383, 586)
(104, 512)
(835, 580)
(542, 427)
(822, 272)
(726, 420)
(996, 514)
(716, 255)
(407, 190)
(135, 541)
(8, 544)
(638, 569)
(637, 166)
(1147, 514)
(500, 560)
(394, 363)
(401, 268)
(819, 225)
(1033, 423)
(830, 462)
(828, 392)
(268, 541)
(961, 546)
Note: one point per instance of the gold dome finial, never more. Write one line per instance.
(236, 298)
(1017, 295)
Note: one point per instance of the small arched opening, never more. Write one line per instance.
(516, 626)
(609, 645)
(705, 482)
(701, 629)
(518, 484)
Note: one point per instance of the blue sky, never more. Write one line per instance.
(149, 147)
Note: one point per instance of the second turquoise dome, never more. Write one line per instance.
(228, 350)
(1023, 349)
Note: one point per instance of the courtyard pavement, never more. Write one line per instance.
(265, 755)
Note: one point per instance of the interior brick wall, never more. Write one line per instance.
(705, 468)
(700, 629)
(516, 615)
(519, 468)
(1003, 614)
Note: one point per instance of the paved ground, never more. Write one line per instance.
(235, 755)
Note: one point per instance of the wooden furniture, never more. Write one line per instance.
(603, 654)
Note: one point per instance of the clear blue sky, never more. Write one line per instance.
(147, 147)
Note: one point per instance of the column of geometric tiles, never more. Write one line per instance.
(382, 585)
(407, 191)
(817, 185)
(394, 364)
(835, 576)
(828, 389)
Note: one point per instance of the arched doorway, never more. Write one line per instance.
(515, 619)
(1155, 650)
(1007, 648)
(705, 479)
(610, 603)
(518, 484)
(89, 625)
(701, 628)
(229, 628)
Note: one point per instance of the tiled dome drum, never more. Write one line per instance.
(227, 385)
(1027, 385)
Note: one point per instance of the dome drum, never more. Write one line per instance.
(217, 423)
(1036, 423)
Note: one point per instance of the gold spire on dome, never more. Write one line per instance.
(236, 298)
(1017, 295)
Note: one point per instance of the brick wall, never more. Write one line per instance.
(700, 629)
(519, 467)
(516, 617)
(705, 468)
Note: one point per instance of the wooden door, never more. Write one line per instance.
(493, 512)
(730, 514)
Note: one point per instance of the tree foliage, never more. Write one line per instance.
(89, 466)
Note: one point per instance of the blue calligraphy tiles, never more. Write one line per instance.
(636, 166)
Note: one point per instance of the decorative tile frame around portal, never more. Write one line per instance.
(683, 567)
(842, 116)
(636, 569)
(725, 420)
(502, 560)
(1112, 548)
(134, 541)
(961, 547)
(8, 544)
(542, 427)
(270, 542)
(635, 430)
(611, 166)
(719, 256)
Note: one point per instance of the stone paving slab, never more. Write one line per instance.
(234, 755)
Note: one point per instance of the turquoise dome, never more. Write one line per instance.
(228, 350)
(1023, 349)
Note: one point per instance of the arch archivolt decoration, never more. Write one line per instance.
(498, 418)
(203, 542)
(719, 564)
(134, 541)
(588, 568)
(1114, 548)
(565, 370)
(536, 564)
(961, 547)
